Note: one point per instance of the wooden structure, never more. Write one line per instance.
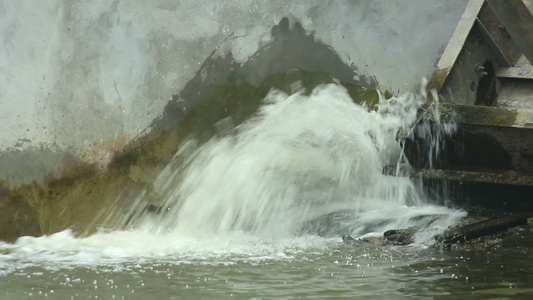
(484, 80)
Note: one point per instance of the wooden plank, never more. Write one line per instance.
(518, 20)
(510, 178)
(524, 72)
(455, 45)
(483, 228)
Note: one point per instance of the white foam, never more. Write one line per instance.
(64, 249)
(300, 158)
(246, 194)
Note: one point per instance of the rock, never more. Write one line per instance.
(400, 236)
(347, 239)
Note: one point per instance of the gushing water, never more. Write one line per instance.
(303, 166)
(301, 157)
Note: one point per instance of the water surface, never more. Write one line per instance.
(306, 268)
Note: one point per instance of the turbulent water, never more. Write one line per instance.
(238, 218)
(258, 211)
(249, 194)
(300, 158)
(279, 175)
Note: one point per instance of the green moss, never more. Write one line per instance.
(437, 80)
(17, 217)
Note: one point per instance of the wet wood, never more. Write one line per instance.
(455, 235)
(483, 228)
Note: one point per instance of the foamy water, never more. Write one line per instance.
(249, 193)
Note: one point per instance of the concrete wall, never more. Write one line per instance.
(75, 73)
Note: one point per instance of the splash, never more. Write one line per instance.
(262, 189)
(300, 158)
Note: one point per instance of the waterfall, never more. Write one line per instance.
(299, 158)
(82, 79)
